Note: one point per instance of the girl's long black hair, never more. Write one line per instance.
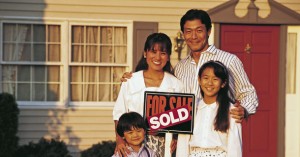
(165, 45)
(224, 97)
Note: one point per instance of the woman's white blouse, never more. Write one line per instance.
(131, 95)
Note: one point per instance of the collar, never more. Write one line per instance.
(137, 83)
(212, 106)
(210, 50)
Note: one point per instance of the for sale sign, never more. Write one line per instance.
(169, 112)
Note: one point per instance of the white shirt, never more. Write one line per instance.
(187, 71)
(131, 95)
(205, 136)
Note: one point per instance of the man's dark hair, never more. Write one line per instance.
(194, 14)
(128, 121)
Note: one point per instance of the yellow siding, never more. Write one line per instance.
(79, 128)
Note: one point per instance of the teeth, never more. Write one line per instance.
(156, 62)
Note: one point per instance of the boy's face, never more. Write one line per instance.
(135, 137)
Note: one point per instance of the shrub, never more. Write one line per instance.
(103, 149)
(9, 113)
(44, 148)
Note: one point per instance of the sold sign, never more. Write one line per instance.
(169, 112)
(169, 118)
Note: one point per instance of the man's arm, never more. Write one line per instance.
(245, 92)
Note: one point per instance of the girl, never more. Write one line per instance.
(215, 131)
(153, 73)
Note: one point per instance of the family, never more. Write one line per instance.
(224, 96)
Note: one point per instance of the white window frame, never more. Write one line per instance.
(66, 25)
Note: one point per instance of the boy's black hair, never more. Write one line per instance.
(224, 97)
(128, 121)
(194, 14)
(165, 45)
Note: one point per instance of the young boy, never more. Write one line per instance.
(131, 126)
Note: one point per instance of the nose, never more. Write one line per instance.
(210, 81)
(158, 55)
(194, 34)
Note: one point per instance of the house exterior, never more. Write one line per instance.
(63, 61)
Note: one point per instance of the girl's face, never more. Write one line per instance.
(210, 84)
(156, 59)
(135, 137)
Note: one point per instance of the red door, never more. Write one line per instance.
(258, 49)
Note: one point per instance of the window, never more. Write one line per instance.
(64, 63)
(31, 61)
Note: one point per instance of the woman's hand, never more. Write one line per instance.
(121, 148)
(125, 76)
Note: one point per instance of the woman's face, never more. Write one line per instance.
(156, 59)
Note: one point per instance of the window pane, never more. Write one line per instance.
(77, 34)
(23, 33)
(92, 34)
(118, 73)
(54, 52)
(106, 54)
(53, 33)
(120, 54)
(24, 52)
(53, 92)
(91, 54)
(89, 74)
(77, 53)
(23, 73)
(9, 32)
(23, 91)
(76, 92)
(76, 74)
(104, 74)
(39, 52)
(90, 92)
(8, 52)
(39, 33)
(120, 36)
(104, 92)
(106, 35)
(53, 74)
(38, 73)
(38, 92)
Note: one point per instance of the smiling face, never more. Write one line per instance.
(210, 85)
(156, 58)
(135, 138)
(196, 35)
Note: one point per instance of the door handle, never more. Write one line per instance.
(248, 48)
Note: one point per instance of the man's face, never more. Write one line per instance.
(196, 35)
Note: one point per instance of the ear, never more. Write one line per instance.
(145, 54)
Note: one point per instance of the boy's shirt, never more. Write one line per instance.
(143, 152)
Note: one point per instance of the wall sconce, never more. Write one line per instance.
(179, 44)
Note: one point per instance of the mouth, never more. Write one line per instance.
(156, 62)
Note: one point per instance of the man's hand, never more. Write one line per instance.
(238, 113)
(126, 75)
(173, 145)
(121, 148)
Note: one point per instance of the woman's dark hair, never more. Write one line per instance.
(128, 121)
(194, 14)
(224, 97)
(165, 45)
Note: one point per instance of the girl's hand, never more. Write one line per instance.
(238, 112)
(121, 148)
